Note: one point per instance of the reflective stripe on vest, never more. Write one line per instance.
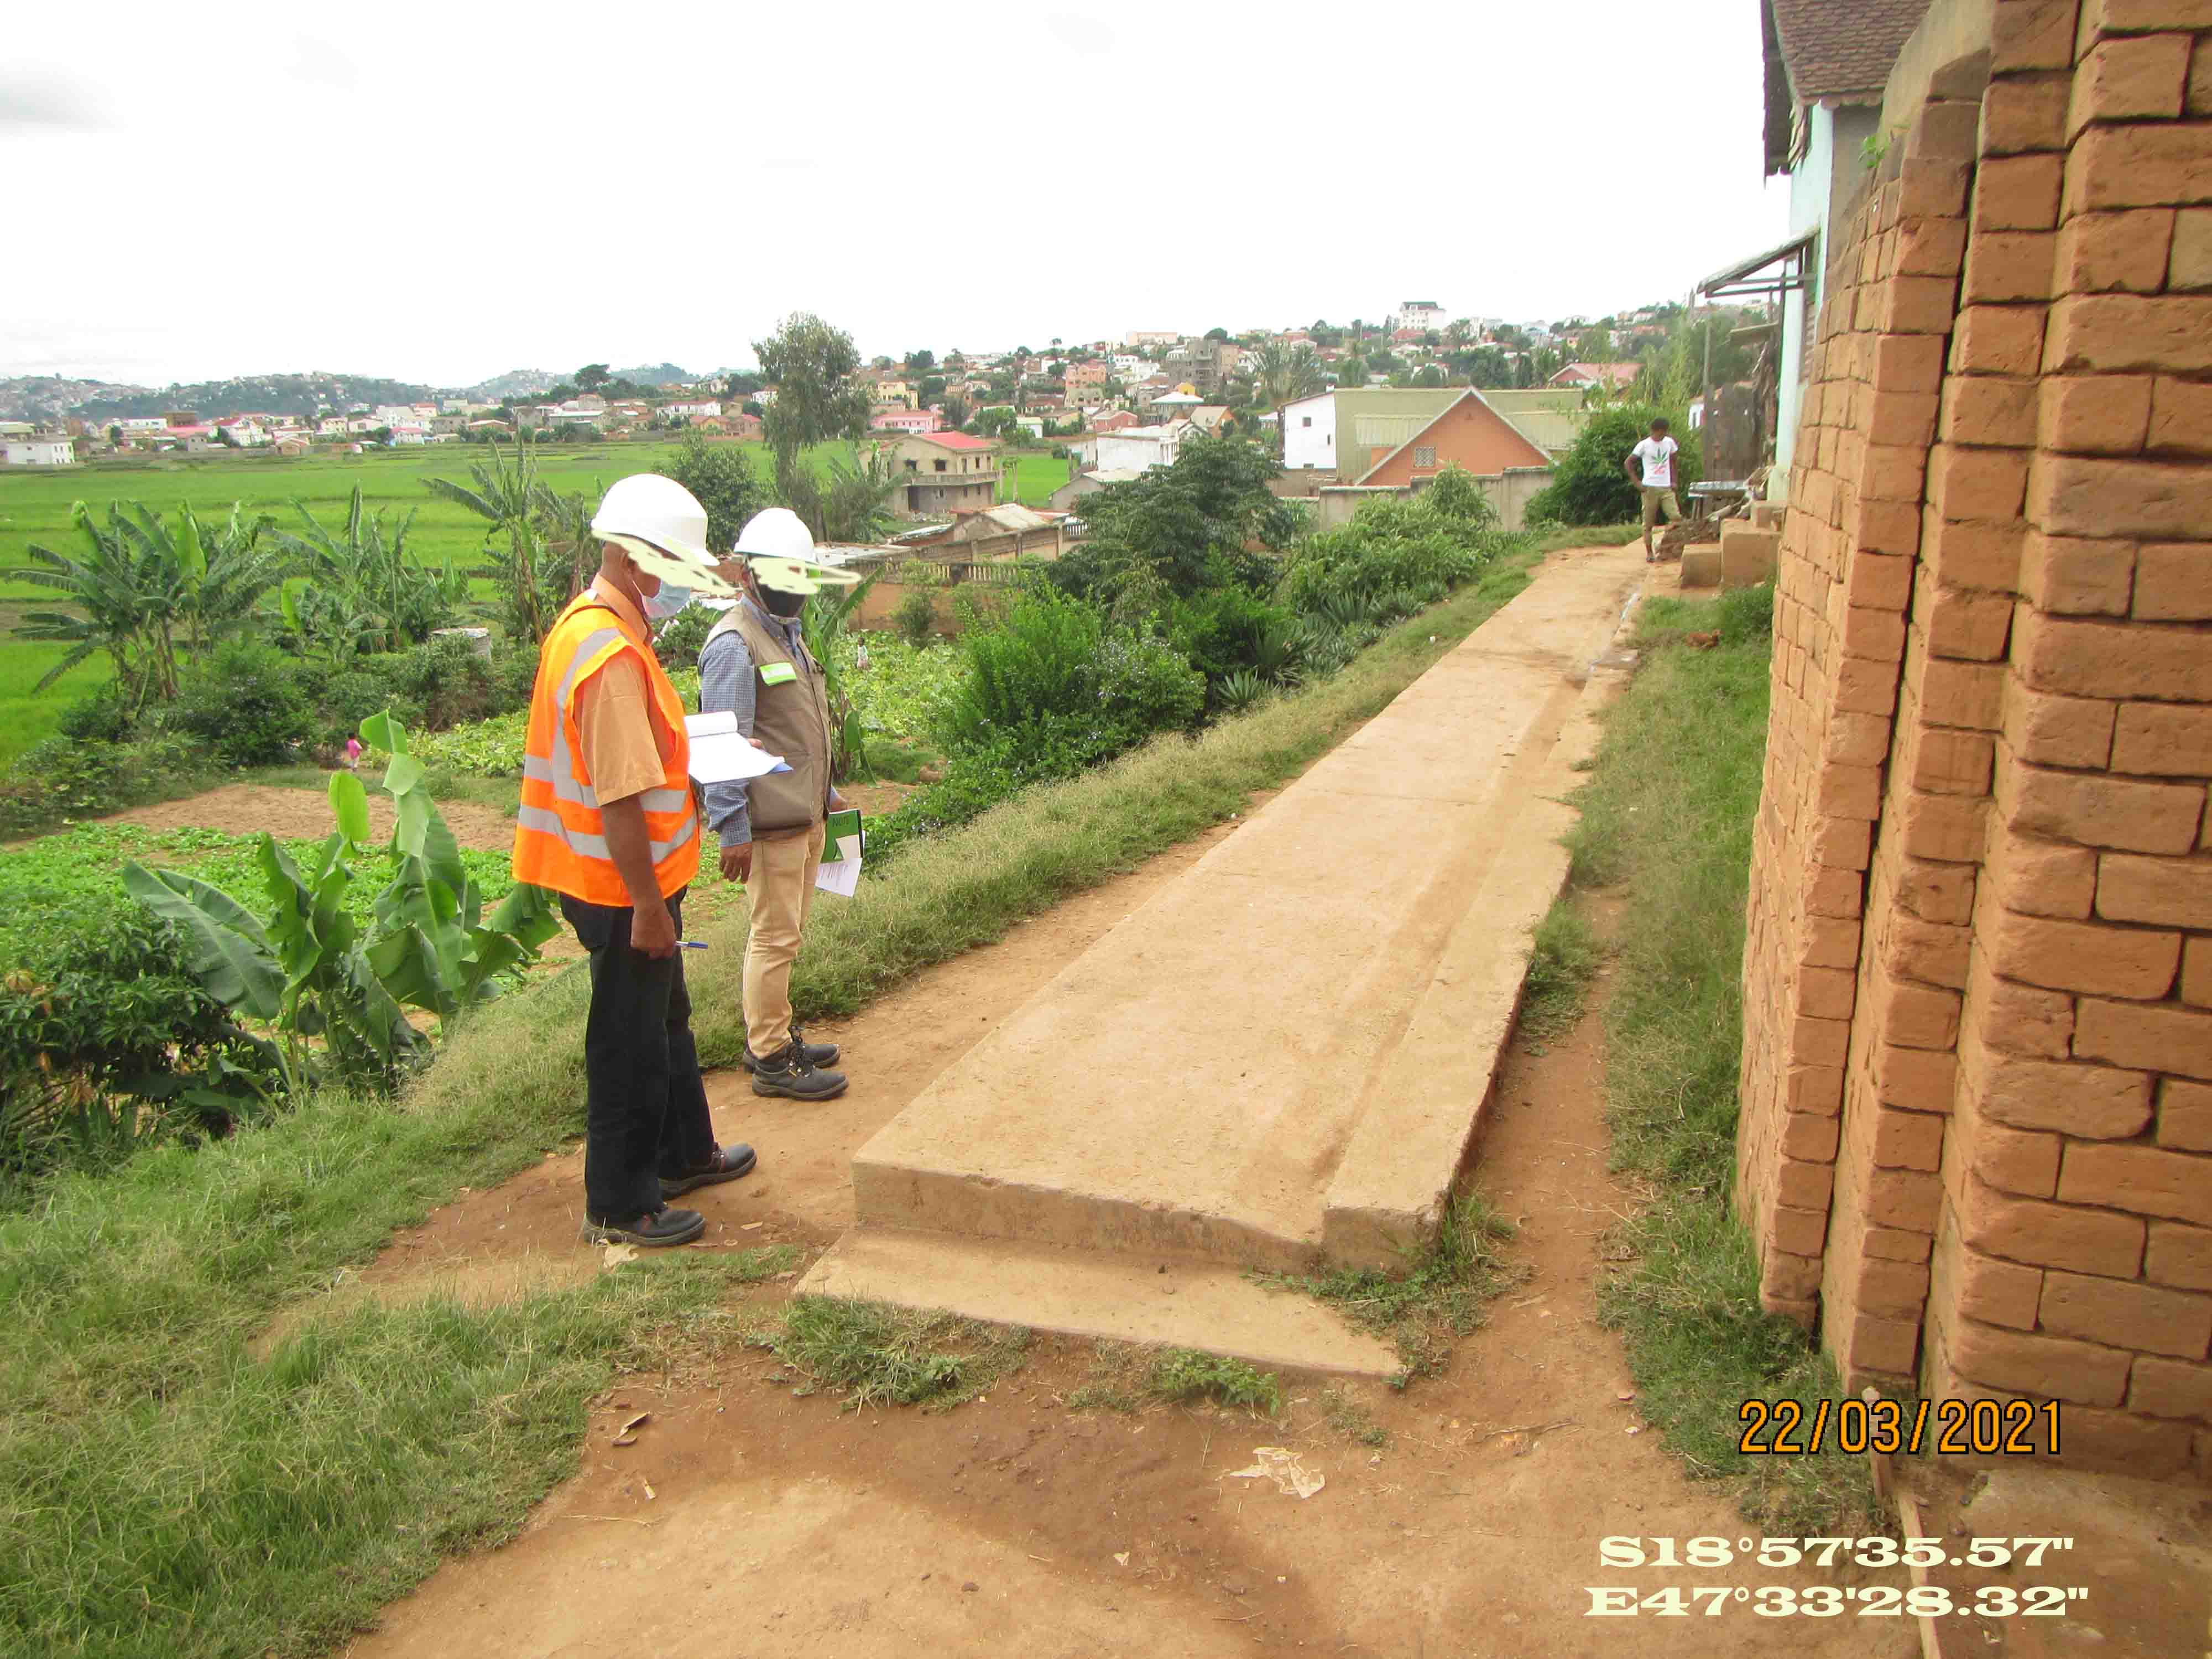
(560, 839)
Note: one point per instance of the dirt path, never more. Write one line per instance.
(781, 1526)
(243, 809)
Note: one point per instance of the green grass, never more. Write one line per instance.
(1349, 1418)
(1037, 474)
(871, 1355)
(1564, 960)
(1439, 1295)
(1125, 1377)
(1666, 817)
(28, 714)
(1586, 535)
(169, 1493)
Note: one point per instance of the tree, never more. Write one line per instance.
(366, 581)
(932, 388)
(1283, 373)
(957, 409)
(718, 475)
(1217, 334)
(592, 376)
(138, 584)
(920, 363)
(811, 366)
(509, 497)
(1351, 371)
(1176, 529)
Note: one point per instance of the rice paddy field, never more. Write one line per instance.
(34, 507)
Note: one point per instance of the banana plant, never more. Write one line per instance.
(338, 993)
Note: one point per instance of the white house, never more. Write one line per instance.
(698, 411)
(246, 434)
(1420, 315)
(335, 427)
(42, 451)
(1310, 432)
(139, 423)
(1128, 366)
(1138, 447)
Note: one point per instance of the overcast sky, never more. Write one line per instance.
(442, 194)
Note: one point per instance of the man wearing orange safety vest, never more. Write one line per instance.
(607, 821)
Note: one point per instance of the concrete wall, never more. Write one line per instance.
(1510, 492)
(1975, 1147)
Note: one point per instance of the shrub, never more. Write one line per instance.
(246, 702)
(1224, 629)
(60, 778)
(915, 618)
(107, 1016)
(678, 642)
(98, 716)
(1054, 688)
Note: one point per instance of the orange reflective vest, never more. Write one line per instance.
(560, 838)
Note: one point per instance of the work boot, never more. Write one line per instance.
(653, 1230)
(818, 1054)
(729, 1163)
(788, 1072)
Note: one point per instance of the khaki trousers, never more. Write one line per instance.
(782, 889)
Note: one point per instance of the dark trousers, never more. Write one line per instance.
(646, 1105)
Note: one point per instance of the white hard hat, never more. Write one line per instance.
(661, 526)
(780, 549)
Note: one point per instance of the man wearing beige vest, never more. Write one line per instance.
(755, 665)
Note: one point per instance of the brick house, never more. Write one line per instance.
(1468, 434)
(1975, 1142)
(943, 472)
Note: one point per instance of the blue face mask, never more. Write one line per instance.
(668, 602)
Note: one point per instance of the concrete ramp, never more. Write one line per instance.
(1284, 1055)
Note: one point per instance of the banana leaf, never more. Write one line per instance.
(224, 946)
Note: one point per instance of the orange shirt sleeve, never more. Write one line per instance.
(614, 719)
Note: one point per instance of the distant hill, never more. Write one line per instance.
(49, 397)
(95, 401)
(657, 374)
(515, 383)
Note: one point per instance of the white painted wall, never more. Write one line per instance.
(1310, 432)
(1822, 189)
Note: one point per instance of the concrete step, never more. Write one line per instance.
(1749, 554)
(1286, 1050)
(1162, 1302)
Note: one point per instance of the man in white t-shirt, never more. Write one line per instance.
(1656, 481)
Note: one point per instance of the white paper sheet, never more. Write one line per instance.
(841, 876)
(719, 755)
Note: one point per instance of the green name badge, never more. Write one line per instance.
(778, 673)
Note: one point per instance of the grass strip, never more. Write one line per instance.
(1667, 818)
(215, 1503)
(147, 1457)
(1128, 1377)
(1439, 1297)
(875, 1355)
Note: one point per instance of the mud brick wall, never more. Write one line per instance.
(1977, 1129)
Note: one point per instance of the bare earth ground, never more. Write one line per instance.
(781, 1525)
(289, 814)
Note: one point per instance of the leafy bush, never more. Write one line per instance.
(1055, 687)
(1224, 629)
(680, 641)
(60, 778)
(246, 703)
(335, 992)
(1588, 486)
(98, 716)
(719, 476)
(915, 618)
(1391, 548)
(107, 1042)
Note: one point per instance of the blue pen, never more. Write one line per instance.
(691, 944)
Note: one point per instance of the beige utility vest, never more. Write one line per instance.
(791, 718)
